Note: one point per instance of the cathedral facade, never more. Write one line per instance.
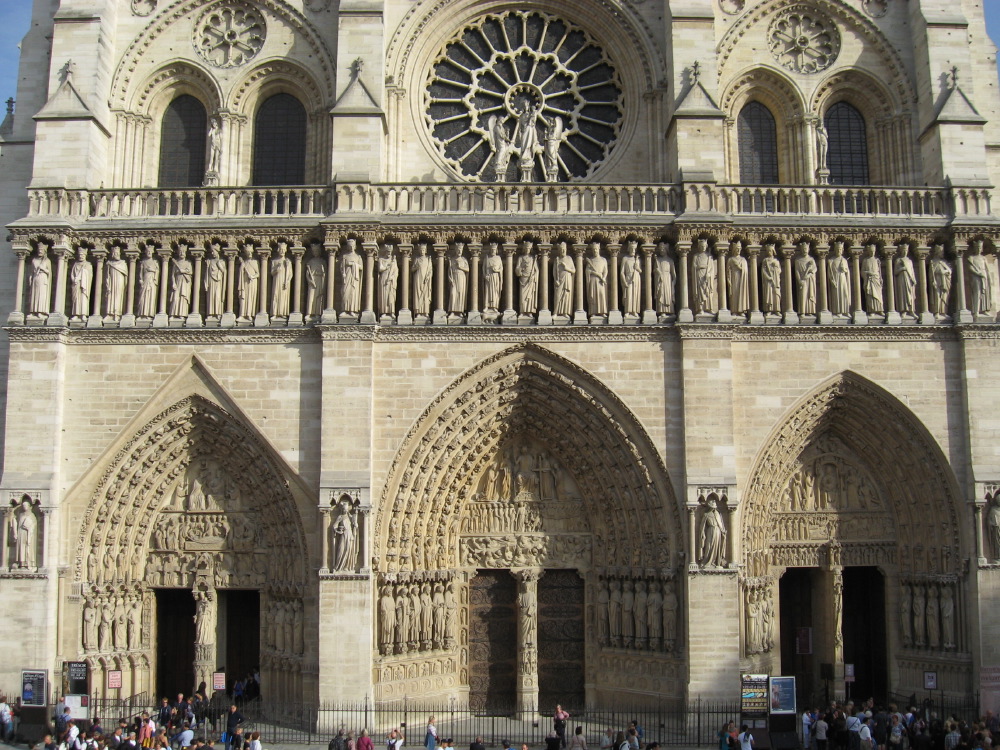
(560, 351)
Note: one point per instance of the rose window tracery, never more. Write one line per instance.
(803, 40)
(523, 96)
(229, 35)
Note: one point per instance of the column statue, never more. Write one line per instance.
(149, 284)
(527, 275)
(247, 290)
(458, 280)
(115, 279)
(705, 278)
(670, 606)
(423, 277)
(603, 600)
(980, 282)
(388, 280)
(597, 281)
(654, 616)
(120, 630)
(563, 275)
(492, 278)
(215, 281)
(933, 618)
(666, 280)
(641, 623)
(631, 280)
(805, 279)
(386, 620)
(712, 536)
(838, 273)
(351, 270)
(919, 616)
(181, 276)
(615, 613)
(941, 276)
(947, 616)
(770, 281)
(871, 278)
(426, 617)
(738, 278)
(90, 618)
(628, 614)
(81, 282)
(315, 281)
(906, 281)
(281, 282)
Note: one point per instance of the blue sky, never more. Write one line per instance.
(15, 15)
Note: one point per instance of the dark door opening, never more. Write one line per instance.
(174, 642)
(493, 641)
(798, 651)
(561, 652)
(864, 632)
(239, 633)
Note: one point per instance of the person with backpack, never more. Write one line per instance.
(339, 742)
(745, 738)
(394, 740)
(6, 720)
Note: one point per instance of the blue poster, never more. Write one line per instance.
(782, 695)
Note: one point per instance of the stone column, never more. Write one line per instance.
(160, 320)
(692, 513)
(837, 619)
(439, 316)
(509, 315)
(96, 320)
(368, 304)
(580, 314)
(734, 552)
(330, 311)
(823, 314)
(724, 315)
(325, 512)
(296, 318)
(684, 314)
(229, 316)
(892, 316)
(649, 309)
(128, 314)
(262, 318)
(475, 316)
(205, 625)
(614, 304)
(527, 637)
(962, 312)
(405, 316)
(756, 316)
(787, 297)
(58, 316)
(858, 316)
(16, 316)
(194, 319)
(924, 315)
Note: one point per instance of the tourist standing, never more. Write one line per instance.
(559, 719)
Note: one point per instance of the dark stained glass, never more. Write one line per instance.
(279, 150)
(183, 135)
(847, 156)
(758, 145)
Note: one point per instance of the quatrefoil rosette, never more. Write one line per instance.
(803, 40)
(523, 95)
(229, 34)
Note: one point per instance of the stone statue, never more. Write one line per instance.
(941, 275)
(670, 605)
(603, 599)
(40, 282)
(81, 282)
(215, 146)
(822, 145)
(770, 281)
(120, 626)
(805, 279)
(980, 282)
(281, 282)
(451, 613)
(563, 273)
(838, 273)
(919, 616)
(641, 623)
(666, 280)
(628, 614)
(615, 613)
(315, 281)
(631, 280)
(204, 620)
(492, 278)
(115, 279)
(440, 613)
(345, 538)
(149, 284)
(993, 521)
(738, 279)
(134, 624)
(502, 148)
(351, 273)
(104, 627)
(933, 618)
(554, 133)
(654, 615)
(416, 611)
(906, 280)
(426, 617)
(458, 279)
(89, 626)
(597, 281)
(181, 276)
(705, 278)
(215, 282)
(947, 617)
(423, 276)
(248, 288)
(527, 275)
(526, 139)
(712, 547)
(402, 622)
(388, 279)
(871, 280)
(24, 533)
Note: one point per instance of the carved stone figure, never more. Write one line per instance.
(654, 615)
(120, 629)
(248, 288)
(503, 147)
(919, 616)
(204, 620)
(40, 282)
(351, 273)
(947, 617)
(628, 614)
(871, 281)
(149, 283)
(81, 283)
(705, 279)
(737, 279)
(641, 623)
(492, 278)
(104, 629)
(440, 613)
(597, 281)
(666, 280)
(805, 280)
(631, 280)
(554, 132)
(426, 617)
(906, 280)
(993, 522)
(822, 145)
(386, 620)
(181, 276)
(615, 613)
(770, 281)
(215, 146)
(941, 276)
(423, 276)
(298, 644)
(345, 538)
(603, 599)
(134, 624)
(980, 282)
(458, 280)
(838, 274)
(23, 527)
(315, 281)
(933, 618)
(90, 617)
(215, 282)
(388, 280)
(563, 273)
(527, 275)
(712, 535)
(413, 639)
(526, 138)
(670, 611)
(115, 278)
(281, 282)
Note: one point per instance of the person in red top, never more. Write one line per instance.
(559, 718)
(365, 742)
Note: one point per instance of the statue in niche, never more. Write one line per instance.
(524, 466)
(115, 279)
(993, 522)
(134, 624)
(388, 279)
(413, 639)
(23, 531)
(526, 138)
(386, 620)
(215, 146)
(402, 621)
(805, 278)
(947, 617)
(628, 614)
(440, 613)
(631, 278)
(90, 618)
(40, 282)
(563, 274)
(641, 604)
(423, 276)
(906, 280)
(281, 282)
(670, 605)
(458, 279)
(666, 280)
(81, 283)
(738, 278)
(104, 629)
(492, 278)
(451, 612)
(248, 288)
(120, 626)
(919, 616)
(554, 134)
(215, 282)
(838, 274)
(615, 613)
(603, 599)
(503, 147)
(597, 281)
(426, 617)
(654, 615)
(345, 537)
(351, 272)
(822, 145)
(871, 280)
(933, 618)
(941, 276)
(705, 279)
(713, 535)
(527, 275)
(980, 282)
(181, 275)
(315, 281)
(770, 281)
(149, 284)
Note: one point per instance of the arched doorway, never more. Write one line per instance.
(853, 551)
(530, 511)
(192, 558)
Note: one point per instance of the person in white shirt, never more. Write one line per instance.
(866, 734)
(745, 739)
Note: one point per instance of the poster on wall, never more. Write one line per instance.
(782, 694)
(34, 687)
(753, 696)
(78, 705)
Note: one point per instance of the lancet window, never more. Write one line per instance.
(758, 144)
(847, 158)
(279, 153)
(183, 135)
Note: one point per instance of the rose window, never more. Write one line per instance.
(523, 96)
(804, 41)
(229, 35)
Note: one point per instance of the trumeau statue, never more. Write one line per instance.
(423, 278)
(40, 282)
(81, 283)
(805, 279)
(388, 279)
(631, 280)
(871, 281)
(563, 273)
(527, 274)
(906, 280)
(980, 282)
(248, 288)
(458, 279)
(281, 282)
(215, 282)
(838, 273)
(315, 281)
(770, 281)
(23, 531)
(351, 272)
(149, 282)
(596, 271)
(705, 279)
(666, 280)
(941, 276)
(738, 275)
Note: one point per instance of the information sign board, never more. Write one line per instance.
(34, 687)
(754, 696)
(782, 695)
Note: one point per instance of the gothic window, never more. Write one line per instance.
(847, 155)
(183, 135)
(758, 144)
(279, 151)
